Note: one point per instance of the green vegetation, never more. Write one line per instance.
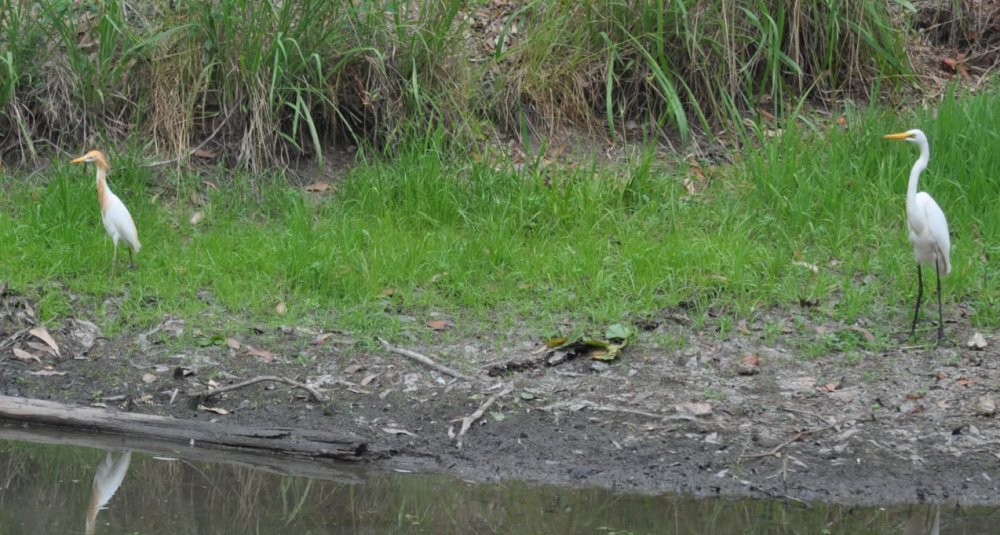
(434, 218)
(591, 243)
(304, 73)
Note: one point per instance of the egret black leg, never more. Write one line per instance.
(920, 294)
(940, 313)
(131, 259)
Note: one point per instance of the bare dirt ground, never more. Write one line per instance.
(907, 424)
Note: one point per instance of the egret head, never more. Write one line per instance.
(94, 156)
(913, 136)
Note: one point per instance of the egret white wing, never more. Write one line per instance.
(937, 227)
(118, 220)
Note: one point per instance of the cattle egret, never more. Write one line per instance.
(117, 221)
(927, 225)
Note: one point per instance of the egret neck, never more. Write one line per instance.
(911, 191)
(102, 185)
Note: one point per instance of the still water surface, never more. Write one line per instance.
(50, 483)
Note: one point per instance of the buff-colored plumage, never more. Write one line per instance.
(116, 218)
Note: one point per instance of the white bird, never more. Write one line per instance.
(928, 227)
(117, 221)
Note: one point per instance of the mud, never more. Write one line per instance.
(906, 424)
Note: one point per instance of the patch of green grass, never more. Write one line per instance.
(498, 249)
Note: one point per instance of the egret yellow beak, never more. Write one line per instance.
(78, 160)
(904, 135)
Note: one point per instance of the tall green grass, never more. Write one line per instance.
(532, 247)
(284, 79)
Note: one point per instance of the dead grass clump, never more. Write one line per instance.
(295, 76)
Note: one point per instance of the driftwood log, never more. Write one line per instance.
(299, 442)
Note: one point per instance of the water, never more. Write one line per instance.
(57, 482)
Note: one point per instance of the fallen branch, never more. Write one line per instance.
(793, 439)
(470, 419)
(424, 360)
(214, 391)
(807, 413)
(200, 145)
(341, 445)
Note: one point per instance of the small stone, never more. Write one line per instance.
(984, 406)
(977, 342)
(598, 367)
(245, 404)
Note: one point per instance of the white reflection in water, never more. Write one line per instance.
(108, 478)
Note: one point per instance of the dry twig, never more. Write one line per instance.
(214, 391)
(470, 419)
(423, 360)
(200, 145)
(789, 441)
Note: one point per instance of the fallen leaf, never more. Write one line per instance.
(798, 383)
(45, 373)
(353, 368)
(966, 383)
(439, 276)
(149, 378)
(978, 341)
(24, 355)
(266, 355)
(690, 185)
(42, 347)
(437, 325)
(233, 343)
(807, 265)
(963, 312)
(280, 308)
(388, 292)
(216, 410)
(842, 121)
(196, 218)
(916, 409)
(370, 378)
(766, 114)
(498, 416)
(211, 185)
(751, 360)
(318, 187)
(943, 404)
(640, 397)
(394, 431)
(617, 332)
(211, 383)
(743, 327)
(527, 396)
(694, 409)
(787, 330)
(43, 335)
(867, 334)
(830, 387)
(919, 395)
(202, 153)
(951, 63)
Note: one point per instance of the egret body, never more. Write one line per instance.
(117, 221)
(927, 225)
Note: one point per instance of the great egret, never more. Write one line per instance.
(117, 221)
(927, 225)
